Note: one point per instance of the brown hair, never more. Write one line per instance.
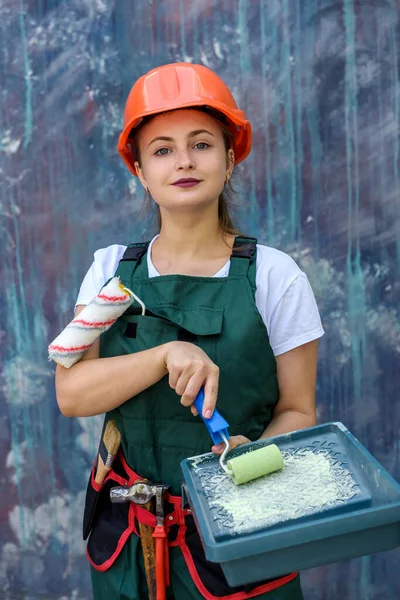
(226, 198)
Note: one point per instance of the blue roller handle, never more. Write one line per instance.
(216, 425)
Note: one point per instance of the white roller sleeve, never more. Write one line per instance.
(98, 316)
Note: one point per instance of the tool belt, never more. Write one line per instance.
(108, 527)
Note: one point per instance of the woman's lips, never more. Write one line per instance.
(185, 184)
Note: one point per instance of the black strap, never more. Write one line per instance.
(135, 251)
(244, 247)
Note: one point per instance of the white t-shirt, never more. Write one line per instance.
(284, 296)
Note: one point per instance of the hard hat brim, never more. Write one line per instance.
(243, 133)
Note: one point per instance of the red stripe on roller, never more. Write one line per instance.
(112, 298)
(70, 349)
(98, 324)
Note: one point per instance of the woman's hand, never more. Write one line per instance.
(189, 369)
(234, 442)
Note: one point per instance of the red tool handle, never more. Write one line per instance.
(167, 570)
(160, 537)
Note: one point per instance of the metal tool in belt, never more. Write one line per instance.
(156, 558)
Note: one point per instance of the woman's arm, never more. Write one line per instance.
(96, 385)
(297, 374)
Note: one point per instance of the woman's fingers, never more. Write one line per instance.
(192, 388)
(189, 369)
(173, 377)
(183, 380)
(211, 391)
(234, 442)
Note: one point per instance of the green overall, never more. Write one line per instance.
(220, 316)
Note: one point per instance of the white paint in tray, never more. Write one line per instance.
(313, 480)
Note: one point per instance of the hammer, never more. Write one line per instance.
(155, 559)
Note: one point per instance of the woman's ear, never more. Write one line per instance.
(140, 174)
(231, 163)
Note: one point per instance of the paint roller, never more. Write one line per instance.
(248, 466)
(96, 318)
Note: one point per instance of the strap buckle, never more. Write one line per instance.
(244, 247)
(135, 251)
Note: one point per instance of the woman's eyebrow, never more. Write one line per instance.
(198, 131)
(160, 139)
(170, 139)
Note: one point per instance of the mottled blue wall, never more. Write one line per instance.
(319, 79)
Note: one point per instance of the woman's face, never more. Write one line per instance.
(183, 159)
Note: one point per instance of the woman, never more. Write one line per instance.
(222, 312)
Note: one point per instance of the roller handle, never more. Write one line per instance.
(216, 424)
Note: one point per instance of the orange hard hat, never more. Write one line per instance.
(182, 85)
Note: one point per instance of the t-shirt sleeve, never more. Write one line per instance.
(295, 319)
(103, 267)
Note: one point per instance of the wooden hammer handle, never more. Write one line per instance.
(148, 549)
(149, 554)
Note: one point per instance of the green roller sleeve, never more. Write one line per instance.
(255, 464)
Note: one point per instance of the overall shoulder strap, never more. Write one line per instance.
(131, 259)
(243, 259)
(135, 251)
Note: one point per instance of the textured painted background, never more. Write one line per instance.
(320, 82)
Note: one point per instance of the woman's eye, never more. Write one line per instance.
(201, 146)
(162, 152)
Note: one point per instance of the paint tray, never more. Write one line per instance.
(331, 502)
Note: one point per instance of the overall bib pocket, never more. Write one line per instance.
(165, 323)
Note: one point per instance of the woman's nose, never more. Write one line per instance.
(184, 160)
